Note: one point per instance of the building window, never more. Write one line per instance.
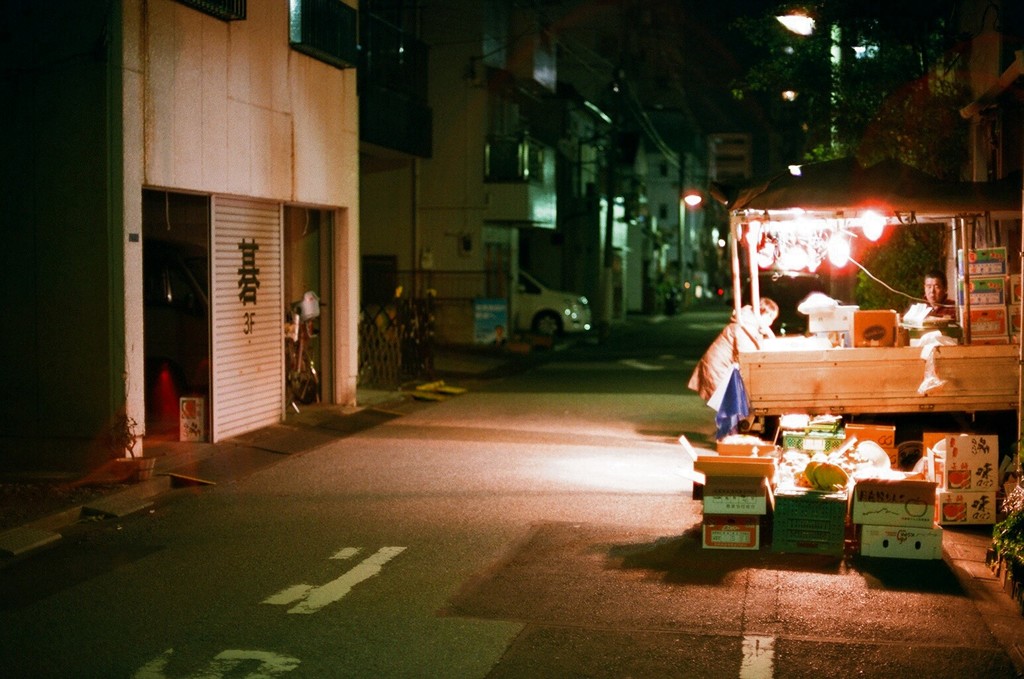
(513, 159)
(325, 30)
(226, 10)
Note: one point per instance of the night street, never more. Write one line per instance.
(539, 525)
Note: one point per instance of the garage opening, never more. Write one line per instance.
(176, 316)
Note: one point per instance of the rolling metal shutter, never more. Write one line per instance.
(247, 312)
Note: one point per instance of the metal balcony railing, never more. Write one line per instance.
(325, 30)
(226, 10)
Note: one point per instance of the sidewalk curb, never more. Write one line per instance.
(46, 531)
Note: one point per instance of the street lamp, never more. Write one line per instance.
(691, 199)
(799, 23)
(796, 22)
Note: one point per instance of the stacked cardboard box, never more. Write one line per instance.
(733, 509)
(895, 518)
(1015, 315)
(968, 476)
(736, 492)
(990, 314)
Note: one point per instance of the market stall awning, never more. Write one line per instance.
(889, 187)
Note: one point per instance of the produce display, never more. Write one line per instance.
(835, 470)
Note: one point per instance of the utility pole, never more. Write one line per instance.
(611, 188)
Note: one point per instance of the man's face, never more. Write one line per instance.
(934, 291)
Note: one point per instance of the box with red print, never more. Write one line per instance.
(971, 460)
(966, 508)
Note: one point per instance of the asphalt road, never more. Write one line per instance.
(540, 525)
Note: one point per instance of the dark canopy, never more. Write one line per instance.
(888, 186)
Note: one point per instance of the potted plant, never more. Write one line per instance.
(123, 439)
(1008, 545)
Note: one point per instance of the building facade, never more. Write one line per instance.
(179, 172)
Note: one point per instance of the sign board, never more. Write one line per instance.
(490, 321)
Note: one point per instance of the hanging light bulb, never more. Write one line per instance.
(873, 225)
(838, 250)
(793, 258)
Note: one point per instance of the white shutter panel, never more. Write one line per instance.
(247, 313)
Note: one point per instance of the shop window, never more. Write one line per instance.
(513, 159)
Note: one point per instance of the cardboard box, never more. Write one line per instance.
(737, 495)
(875, 328)
(882, 434)
(192, 418)
(971, 460)
(835, 319)
(894, 502)
(731, 532)
(985, 291)
(956, 508)
(994, 339)
(989, 320)
(744, 448)
(983, 261)
(711, 466)
(1014, 286)
(898, 542)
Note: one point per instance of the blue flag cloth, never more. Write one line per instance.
(734, 406)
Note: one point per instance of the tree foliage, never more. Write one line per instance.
(900, 259)
(870, 82)
(873, 81)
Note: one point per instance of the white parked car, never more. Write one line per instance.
(549, 312)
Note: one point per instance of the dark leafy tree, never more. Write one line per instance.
(874, 81)
(870, 81)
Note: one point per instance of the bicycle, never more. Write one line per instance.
(301, 334)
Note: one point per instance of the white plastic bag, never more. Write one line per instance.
(929, 341)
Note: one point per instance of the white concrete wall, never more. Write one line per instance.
(229, 108)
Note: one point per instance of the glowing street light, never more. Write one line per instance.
(692, 199)
(801, 24)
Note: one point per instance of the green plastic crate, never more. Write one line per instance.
(809, 522)
(812, 442)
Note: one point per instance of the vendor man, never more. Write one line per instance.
(935, 295)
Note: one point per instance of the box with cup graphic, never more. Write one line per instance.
(970, 461)
(963, 508)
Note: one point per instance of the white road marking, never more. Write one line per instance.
(640, 365)
(311, 599)
(758, 658)
(268, 665)
(347, 553)
(289, 595)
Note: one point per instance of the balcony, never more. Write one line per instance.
(520, 176)
(225, 10)
(392, 80)
(324, 30)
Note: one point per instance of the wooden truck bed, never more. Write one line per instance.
(880, 380)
